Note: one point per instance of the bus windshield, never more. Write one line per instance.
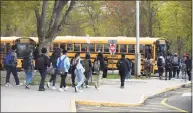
(24, 47)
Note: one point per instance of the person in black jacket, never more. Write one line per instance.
(168, 66)
(124, 68)
(88, 69)
(106, 68)
(99, 59)
(53, 59)
(189, 66)
(42, 63)
(28, 66)
(36, 54)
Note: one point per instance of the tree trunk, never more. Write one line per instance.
(44, 43)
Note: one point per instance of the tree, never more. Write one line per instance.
(47, 30)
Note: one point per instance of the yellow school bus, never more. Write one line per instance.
(126, 45)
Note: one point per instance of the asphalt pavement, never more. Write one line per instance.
(181, 100)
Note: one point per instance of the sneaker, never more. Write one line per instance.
(20, 84)
(122, 87)
(87, 86)
(66, 88)
(26, 86)
(79, 91)
(95, 85)
(61, 90)
(76, 89)
(48, 84)
(42, 89)
(8, 85)
(83, 85)
(53, 88)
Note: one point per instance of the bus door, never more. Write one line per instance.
(148, 51)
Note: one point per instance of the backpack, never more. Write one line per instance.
(86, 65)
(27, 63)
(159, 62)
(175, 61)
(97, 65)
(40, 62)
(9, 60)
(168, 61)
(61, 67)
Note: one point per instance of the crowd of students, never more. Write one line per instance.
(57, 64)
(171, 64)
(82, 69)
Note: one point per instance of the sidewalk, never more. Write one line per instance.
(18, 99)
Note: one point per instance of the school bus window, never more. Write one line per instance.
(141, 48)
(99, 47)
(84, 47)
(69, 47)
(92, 47)
(51, 47)
(117, 48)
(76, 47)
(131, 48)
(56, 46)
(106, 48)
(123, 48)
(3, 47)
(8, 47)
(63, 46)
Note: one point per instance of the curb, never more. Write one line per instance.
(73, 106)
(113, 104)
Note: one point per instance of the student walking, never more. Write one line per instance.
(160, 64)
(168, 66)
(98, 68)
(63, 65)
(183, 67)
(10, 62)
(189, 67)
(124, 68)
(79, 72)
(55, 55)
(28, 66)
(175, 65)
(42, 62)
(87, 64)
(73, 66)
(106, 68)
(147, 67)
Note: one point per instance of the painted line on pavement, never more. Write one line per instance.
(164, 103)
(187, 94)
(115, 104)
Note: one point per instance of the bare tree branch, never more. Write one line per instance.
(43, 18)
(58, 11)
(53, 15)
(37, 20)
(72, 3)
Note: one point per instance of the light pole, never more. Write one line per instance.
(137, 53)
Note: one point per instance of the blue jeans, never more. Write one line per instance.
(29, 76)
(128, 75)
(80, 80)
